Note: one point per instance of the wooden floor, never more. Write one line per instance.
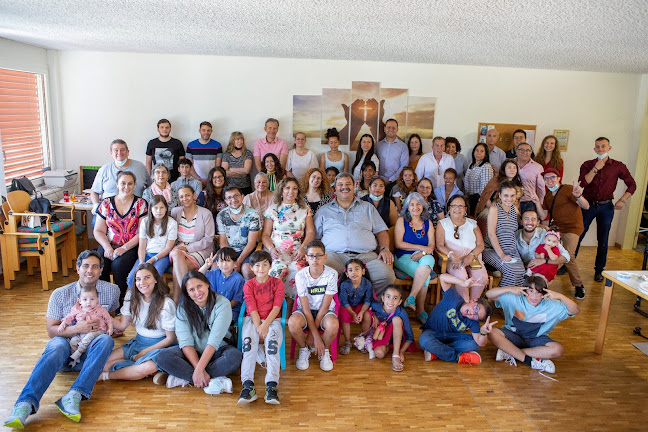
(606, 392)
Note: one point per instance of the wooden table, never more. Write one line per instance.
(611, 279)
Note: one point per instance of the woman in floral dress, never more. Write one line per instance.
(287, 229)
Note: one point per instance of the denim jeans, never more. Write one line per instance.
(55, 358)
(160, 265)
(447, 346)
(225, 360)
(603, 213)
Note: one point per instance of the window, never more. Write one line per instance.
(23, 124)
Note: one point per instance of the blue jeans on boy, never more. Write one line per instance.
(160, 265)
(55, 359)
(603, 213)
(447, 346)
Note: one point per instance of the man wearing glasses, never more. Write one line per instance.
(531, 175)
(238, 227)
(563, 206)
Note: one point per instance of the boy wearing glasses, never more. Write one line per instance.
(443, 334)
(316, 285)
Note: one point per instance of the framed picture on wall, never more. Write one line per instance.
(563, 138)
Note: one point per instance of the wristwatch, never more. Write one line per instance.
(424, 253)
(547, 260)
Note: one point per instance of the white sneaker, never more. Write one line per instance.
(174, 381)
(326, 364)
(219, 385)
(543, 365)
(501, 356)
(302, 361)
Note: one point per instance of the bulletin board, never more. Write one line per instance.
(506, 133)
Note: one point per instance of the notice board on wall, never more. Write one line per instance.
(506, 133)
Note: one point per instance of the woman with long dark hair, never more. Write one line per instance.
(203, 318)
(366, 153)
(478, 174)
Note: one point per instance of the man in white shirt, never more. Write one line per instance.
(433, 165)
(496, 155)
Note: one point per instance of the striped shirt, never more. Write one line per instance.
(203, 155)
(64, 298)
(186, 229)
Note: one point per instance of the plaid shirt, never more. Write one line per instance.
(477, 177)
(63, 298)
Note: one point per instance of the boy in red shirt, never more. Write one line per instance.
(263, 296)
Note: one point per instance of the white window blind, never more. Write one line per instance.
(23, 124)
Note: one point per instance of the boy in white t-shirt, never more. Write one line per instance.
(316, 285)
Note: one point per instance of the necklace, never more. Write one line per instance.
(418, 233)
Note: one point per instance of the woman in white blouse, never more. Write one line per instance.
(300, 159)
(460, 239)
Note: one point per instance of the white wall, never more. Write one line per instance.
(110, 95)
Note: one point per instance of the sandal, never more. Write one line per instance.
(345, 349)
(410, 302)
(397, 364)
(423, 317)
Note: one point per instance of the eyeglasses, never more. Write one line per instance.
(519, 150)
(456, 232)
(314, 257)
(553, 177)
(457, 206)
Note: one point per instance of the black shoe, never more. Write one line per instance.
(579, 292)
(562, 271)
(598, 276)
(271, 395)
(248, 394)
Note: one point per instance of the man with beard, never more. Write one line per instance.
(530, 236)
(164, 149)
(351, 228)
(202, 152)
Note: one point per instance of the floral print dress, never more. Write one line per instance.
(288, 230)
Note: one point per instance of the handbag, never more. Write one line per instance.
(42, 205)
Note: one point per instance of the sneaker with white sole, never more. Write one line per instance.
(18, 416)
(501, 356)
(248, 393)
(219, 385)
(543, 365)
(160, 378)
(428, 356)
(302, 362)
(174, 381)
(326, 364)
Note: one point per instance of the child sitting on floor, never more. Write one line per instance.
(87, 308)
(316, 285)
(530, 313)
(443, 334)
(356, 294)
(264, 295)
(391, 325)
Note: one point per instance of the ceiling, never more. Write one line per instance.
(584, 35)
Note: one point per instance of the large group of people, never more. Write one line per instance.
(325, 226)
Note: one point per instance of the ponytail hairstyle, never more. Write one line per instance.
(150, 220)
(158, 297)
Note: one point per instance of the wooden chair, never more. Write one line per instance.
(58, 235)
(65, 212)
(442, 261)
(12, 252)
(404, 280)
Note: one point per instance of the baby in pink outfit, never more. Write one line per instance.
(87, 308)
